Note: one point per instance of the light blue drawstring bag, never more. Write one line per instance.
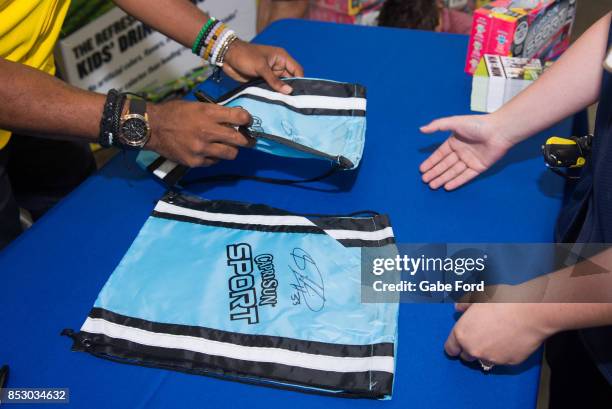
(321, 119)
(250, 293)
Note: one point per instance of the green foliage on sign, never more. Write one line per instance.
(81, 12)
(177, 88)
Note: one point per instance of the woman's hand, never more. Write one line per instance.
(500, 334)
(245, 61)
(475, 144)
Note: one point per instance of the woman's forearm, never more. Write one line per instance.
(568, 316)
(588, 281)
(570, 85)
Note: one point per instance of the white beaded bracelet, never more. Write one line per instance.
(222, 39)
(224, 49)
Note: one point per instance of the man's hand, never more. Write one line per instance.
(475, 144)
(245, 61)
(501, 334)
(196, 134)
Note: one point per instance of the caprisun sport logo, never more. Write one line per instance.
(244, 304)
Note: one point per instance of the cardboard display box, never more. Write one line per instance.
(521, 28)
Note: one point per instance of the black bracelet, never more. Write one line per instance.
(117, 117)
(203, 43)
(106, 123)
(111, 118)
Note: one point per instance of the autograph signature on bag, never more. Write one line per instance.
(308, 286)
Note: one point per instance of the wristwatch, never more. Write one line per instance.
(134, 128)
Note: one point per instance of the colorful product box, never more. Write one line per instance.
(521, 28)
(498, 79)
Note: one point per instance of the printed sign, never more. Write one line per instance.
(118, 51)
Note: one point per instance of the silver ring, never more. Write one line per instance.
(486, 367)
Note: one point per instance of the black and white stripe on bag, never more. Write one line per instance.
(309, 97)
(351, 370)
(373, 231)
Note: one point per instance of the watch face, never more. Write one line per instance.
(134, 131)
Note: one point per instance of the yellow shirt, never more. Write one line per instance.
(28, 33)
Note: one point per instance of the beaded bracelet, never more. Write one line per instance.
(211, 44)
(202, 34)
(206, 35)
(224, 49)
(209, 36)
(219, 45)
(213, 41)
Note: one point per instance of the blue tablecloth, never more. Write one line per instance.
(51, 275)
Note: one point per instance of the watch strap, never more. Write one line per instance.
(138, 106)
